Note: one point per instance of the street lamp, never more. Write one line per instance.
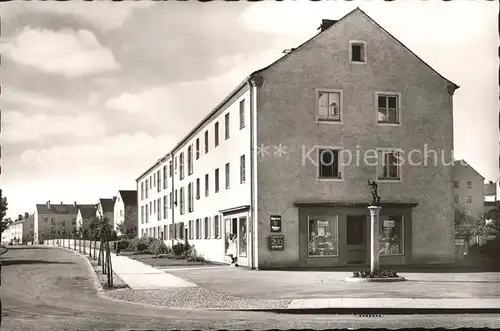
(374, 208)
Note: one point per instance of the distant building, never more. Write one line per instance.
(125, 211)
(49, 218)
(85, 214)
(20, 231)
(491, 191)
(468, 189)
(106, 208)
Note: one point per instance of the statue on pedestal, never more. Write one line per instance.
(375, 197)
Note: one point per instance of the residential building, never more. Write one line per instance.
(491, 191)
(106, 208)
(85, 214)
(125, 211)
(20, 231)
(468, 189)
(251, 166)
(50, 218)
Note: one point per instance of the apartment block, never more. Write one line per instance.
(468, 189)
(50, 218)
(270, 165)
(125, 211)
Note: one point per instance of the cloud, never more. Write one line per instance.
(122, 155)
(19, 97)
(18, 127)
(67, 52)
(102, 14)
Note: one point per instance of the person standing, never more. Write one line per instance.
(232, 250)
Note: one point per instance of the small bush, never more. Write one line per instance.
(377, 274)
(180, 249)
(158, 247)
(132, 244)
(191, 255)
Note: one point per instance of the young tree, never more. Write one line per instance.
(4, 222)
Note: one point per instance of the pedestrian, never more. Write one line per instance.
(118, 246)
(232, 250)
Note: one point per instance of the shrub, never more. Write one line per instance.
(132, 244)
(158, 247)
(191, 255)
(180, 249)
(377, 274)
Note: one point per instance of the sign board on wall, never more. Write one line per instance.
(275, 221)
(276, 242)
(459, 242)
(388, 224)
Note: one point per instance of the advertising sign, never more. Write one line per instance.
(275, 221)
(388, 224)
(276, 242)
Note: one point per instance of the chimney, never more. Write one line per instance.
(48, 204)
(76, 204)
(325, 24)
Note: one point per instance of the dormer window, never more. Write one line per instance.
(357, 52)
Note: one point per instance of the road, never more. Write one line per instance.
(50, 289)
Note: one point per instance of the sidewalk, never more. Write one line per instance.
(140, 276)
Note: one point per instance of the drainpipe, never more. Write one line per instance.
(254, 238)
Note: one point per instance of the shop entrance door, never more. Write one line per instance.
(356, 239)
(237, 225)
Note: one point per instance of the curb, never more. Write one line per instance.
(372, 311)
(374, 280)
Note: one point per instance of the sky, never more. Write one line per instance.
(93, 93)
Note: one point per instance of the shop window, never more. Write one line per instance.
(323, 235)
(391, 240)
(242, 249)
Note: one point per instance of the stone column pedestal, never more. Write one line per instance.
(374, 234)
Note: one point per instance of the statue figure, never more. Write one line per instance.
(375, 197)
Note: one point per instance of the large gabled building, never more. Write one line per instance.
(269, 162)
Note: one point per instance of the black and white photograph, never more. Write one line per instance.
(249, 165)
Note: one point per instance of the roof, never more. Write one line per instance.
(61, 209)
(87, 211)
(253, 75)
(466, 164)
(129, 197)
(108, 205)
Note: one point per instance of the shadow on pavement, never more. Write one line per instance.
(400, 269)
(18, 262)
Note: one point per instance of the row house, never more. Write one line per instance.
(282, 161)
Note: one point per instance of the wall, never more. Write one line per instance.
(287, 115)
(45, 227)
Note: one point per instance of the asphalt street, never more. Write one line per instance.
(50, 289)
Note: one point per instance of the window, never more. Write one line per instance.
(206, 142)
(469, 198)
(328, 163)
(181, 166)
(175, 198)
(391, 235)
(329, 103)
(158, 208)
(170, 168)
(150, 208)
(154, 206)
(147, 187)
(181, 198)
(165, 181)
(175, 164)
(388, 108)
(198, 229)
(207, 186)
(207, 228)
(242, 169)
(190, 229)
(166, 235)
(226, 125)
(197, 148)
(190, 197)
(242, 114)
(154, 179)
(323, 235)
(455, 184)
(216, 134)
(142, 190)
(121, 213)
(165, 207)
(358, 51)
(150, 182)
(146, 210)
(217, 233)
(389, 168)
(158, 180)
(197, 189)
(228, 176)
(170, 200)
(456, 198)
(242, 240)
(469, 184)
(216, 180)
(190, 160)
